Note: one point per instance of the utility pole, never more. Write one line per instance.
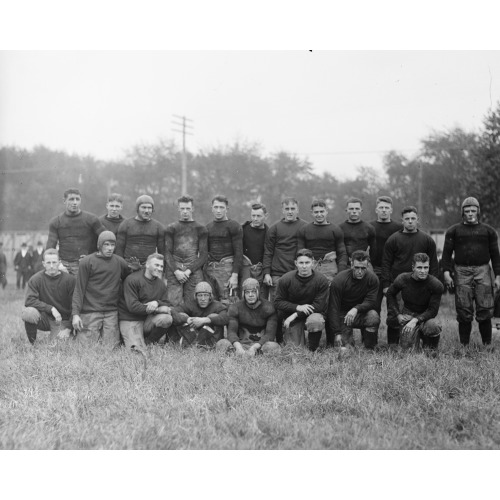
(181, 122)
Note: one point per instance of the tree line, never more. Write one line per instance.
(449, 166)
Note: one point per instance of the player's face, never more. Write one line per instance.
(359, 269)
(383, 211)
(470, 215)
(251, 296)
(155, 267)
(219, 209)
(354, 211)
(304, 265)
(72, 203)
(145, 211)
(258, 217)
(410, 222)
(185, 211)
(51, 264)
(203, 299)
(114, 209)
(107, 249)
(319, 214)
(420, 270)
(290, 211)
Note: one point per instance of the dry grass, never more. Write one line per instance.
(68, 397)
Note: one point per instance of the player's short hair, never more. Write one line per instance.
(384, 199)
(304, 252)
(50, 251)
(289, 199)
(186, 199)
(360, 256)
(152, 256)
(408, 209)
(420, 257)
(115, 197)
(317, 202)
(353, 200)
(259, 206)
(221, 198)
(71, 191)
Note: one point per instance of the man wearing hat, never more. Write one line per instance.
(201, 320)
(22, 265)
(37, 258)
(474, 244)
(143, 308)
(353, 299)
(252, 323)
(75, 230)
(141, 235)
(48, 300)
(301, 302)
(95, 300)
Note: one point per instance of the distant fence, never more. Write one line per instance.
(12, 240)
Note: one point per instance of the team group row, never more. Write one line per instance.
(292, 276)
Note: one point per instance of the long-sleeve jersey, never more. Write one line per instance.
(294, 290)
(76, 234)
(280, 247)
(186, 241)
(45, 292)
(347, 292)
(253, 242)
(399, 250)
(111, 224)
(421, 297)
(137, 291)
(382, 232)
(140, 238)
(98, 283)
(473, 244)
(358, 236)
(225, 239)
(322, 239)
(254, 319)
(215, 311)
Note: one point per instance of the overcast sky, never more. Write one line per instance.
(340, 109)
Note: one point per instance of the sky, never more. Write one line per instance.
(339, 109)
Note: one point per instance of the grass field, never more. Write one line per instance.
(68, 397)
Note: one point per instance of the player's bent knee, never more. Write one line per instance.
(163, 320)
(431, 328)
(31, 315)
(372, 319)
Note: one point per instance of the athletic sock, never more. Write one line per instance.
(485, 331)
(464, 330)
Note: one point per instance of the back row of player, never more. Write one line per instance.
(228, 253)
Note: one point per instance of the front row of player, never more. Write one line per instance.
(106, 299)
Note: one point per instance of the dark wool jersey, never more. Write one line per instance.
(420, 297)
(322, 239)
(399, 250)
(253, 242)
(111, 224)
(382, 232)
(225, 239)
(473, 244)
(358, 236)
(184, 241)
(216, 311)
(76, 234)
(137, 291)
(98, 283)
(140, 238)
(255, 319)
(45, 292)
(294, 290)
(347, 292)
(280, 247)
